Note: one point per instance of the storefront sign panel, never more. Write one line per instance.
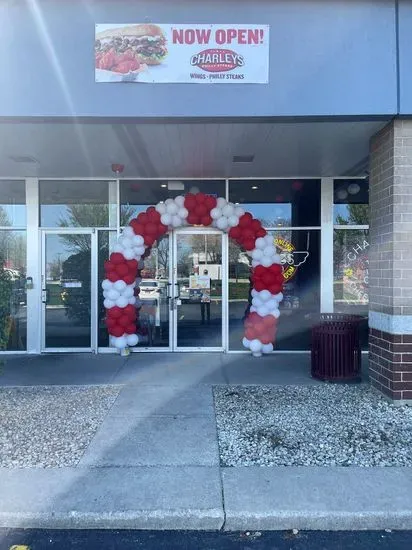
(170, 53)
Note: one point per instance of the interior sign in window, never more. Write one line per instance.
(172, 53)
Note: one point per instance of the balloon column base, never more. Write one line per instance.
(125, 352)
(257, 354)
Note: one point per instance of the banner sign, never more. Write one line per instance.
(167, 53)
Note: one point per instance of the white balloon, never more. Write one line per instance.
(132, 339)
(228, 210)
(176, 221)
(268, 239)
(255, 292)
(268, 251)
(255, 345)
(118, 248)
(275, 313)
(180, 200)
(265, 295)
(132, 300)
(127, 242)
(129, 253)
(121, 342)
(172, 208)
(272, 304)
(122, 301)
(222, 223)
(128, 232)
(113, 294)
(169, 201)
(278, 297)
(255, 263)
(246, 343)
(257, 301)
(183, 213)
(109, 303)
(221, 202)
(166, 219)
(260, 243)
(138, 240)
(128, 292)
(120, 285)
(266, 261)
(257, 254)
(253, 309)
(267, 348)
(263, 311)
(107, 285)
(161, 208)
(239, 211)
(215, 213)
(233, 221)
(139, 250)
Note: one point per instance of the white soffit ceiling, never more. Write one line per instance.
(167, 150)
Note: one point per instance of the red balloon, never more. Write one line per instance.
(261, 232)
(245, 220)
(110, 322)
(161, 229)
(130, 311)
(268, 278)
(130, 329)
(249, 244)
(117, 330)
(122, 270)
(151, 229)
(247, 234)
(132, 264)
(116, 258)
(235, 232)
(206, 220)
(211, 202)
(249, 333)
(274, 288)
(200, 198)
(115, 312)
(192, 219)
(149, 239)
(123, 321)
(138, 228)
(201, 210)
(152, 214)
(256, 225)
(112, 276)
(266, 338)
(142, 218)
(108, 266)
(129, 279)
(190, 201)
(259, 286)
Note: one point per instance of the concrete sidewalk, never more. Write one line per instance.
(154, 460)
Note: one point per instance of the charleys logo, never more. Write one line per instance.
(217, 60)
(290, 258)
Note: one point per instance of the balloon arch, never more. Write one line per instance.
(122, 270)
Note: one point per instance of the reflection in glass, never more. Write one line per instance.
(199, 290)
(12, 203)
(13, 302)
(351, 274)
(137, 195)
(279, 203)
(153, 322)
(67, 290)
(300, 254)
(76, 204)
(351, 202)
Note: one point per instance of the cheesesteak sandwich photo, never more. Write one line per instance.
(126, 49)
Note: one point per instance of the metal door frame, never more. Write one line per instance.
(173, 309)
(93, 290)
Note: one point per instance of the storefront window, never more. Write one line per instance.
(77, 204)
(279, 203)
(12, 203)
(300, 253)
(137, 195)
(351, 272)
(13, 302)
(351, 202)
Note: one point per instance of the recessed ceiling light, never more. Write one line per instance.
(164, 185)
(255, 187)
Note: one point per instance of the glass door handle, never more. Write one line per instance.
(45, 295)
(178, 290)
(168, 291)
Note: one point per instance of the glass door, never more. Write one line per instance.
(198, 290)
(69, 290)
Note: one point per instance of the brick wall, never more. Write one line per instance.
(390, 260)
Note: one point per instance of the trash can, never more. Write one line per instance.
(336, 353)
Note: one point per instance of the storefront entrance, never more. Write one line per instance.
(183, 293)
